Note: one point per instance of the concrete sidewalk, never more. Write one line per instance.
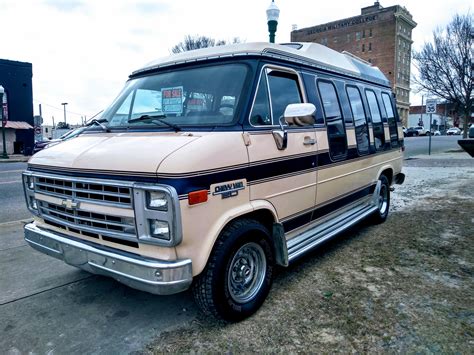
(448, 159)
(15, 158)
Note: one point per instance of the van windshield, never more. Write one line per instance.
(205, 96)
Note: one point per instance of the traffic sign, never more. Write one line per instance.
(431, 106)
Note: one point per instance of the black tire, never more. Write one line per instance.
(243, 250)
(383, 202)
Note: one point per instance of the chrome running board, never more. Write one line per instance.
(308, 240)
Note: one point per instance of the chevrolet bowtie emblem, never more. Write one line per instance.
(70, 204)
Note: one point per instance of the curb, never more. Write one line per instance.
(15, 159)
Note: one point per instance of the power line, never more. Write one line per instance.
(58, 108)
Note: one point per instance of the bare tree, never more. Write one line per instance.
(196, 42)
(445, 65)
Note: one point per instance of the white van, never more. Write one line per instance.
(215, 165)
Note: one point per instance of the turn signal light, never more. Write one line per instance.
(196, 197)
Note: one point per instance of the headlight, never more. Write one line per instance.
(30, 182)
(157, 200)
(29, 189)
(33, 203)
(160, 229)
(157, 214)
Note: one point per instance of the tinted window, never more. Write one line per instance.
(261, 108)
(334, 122)
(373, 106)
(392, 123)
(360, 121)
(377, 125)
(284, 90)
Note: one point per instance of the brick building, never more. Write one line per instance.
(380, 36)
(16, 79)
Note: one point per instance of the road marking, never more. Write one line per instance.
(26, 220)
(12, 171)
(10, 182)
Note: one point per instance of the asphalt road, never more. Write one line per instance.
(12, 202)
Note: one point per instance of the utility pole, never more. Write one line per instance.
(64, 105)
(4, 123)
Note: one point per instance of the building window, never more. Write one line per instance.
(370, 32)
(370, 61)
(363, 33)
(358, 36)
(370, 46)
(363, 47)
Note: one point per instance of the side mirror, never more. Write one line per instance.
(300, 114)
(295, 114)
(281, 139)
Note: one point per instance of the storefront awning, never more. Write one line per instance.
(18, 125)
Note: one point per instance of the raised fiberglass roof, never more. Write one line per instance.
(312, 54)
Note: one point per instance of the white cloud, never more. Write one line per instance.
(83, 50)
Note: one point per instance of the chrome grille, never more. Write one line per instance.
(85, 191)
(65, 208)
(90, 224)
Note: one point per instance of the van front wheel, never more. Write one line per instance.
(239, 273)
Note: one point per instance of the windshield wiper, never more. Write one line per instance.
(99, 123)
(156, 119)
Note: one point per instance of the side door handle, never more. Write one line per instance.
(309, 141)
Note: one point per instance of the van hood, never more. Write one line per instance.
(122, 152)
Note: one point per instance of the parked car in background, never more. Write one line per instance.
(49, 143)
(453, 131)
(436, 133)
(470, 133)
(404, 131)
(411, 132)
(417, 131)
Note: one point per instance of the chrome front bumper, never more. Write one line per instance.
(149, 275)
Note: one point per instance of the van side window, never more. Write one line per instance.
(261, 108)
(377, 125)
(334, 122)
(284, 90)
(392, 123)
(360, 121)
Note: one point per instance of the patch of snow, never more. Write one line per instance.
(427, 187)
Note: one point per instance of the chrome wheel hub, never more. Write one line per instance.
(383, 199)
(246, 272)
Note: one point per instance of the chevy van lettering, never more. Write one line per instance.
(229, 190)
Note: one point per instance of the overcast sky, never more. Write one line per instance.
(83, 50)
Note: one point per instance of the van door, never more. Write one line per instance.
(286, 178)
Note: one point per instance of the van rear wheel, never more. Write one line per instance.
(383, 201)
(239, 273)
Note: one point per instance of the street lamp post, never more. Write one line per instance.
(64, 105)
(4, 154)
(273, 12)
